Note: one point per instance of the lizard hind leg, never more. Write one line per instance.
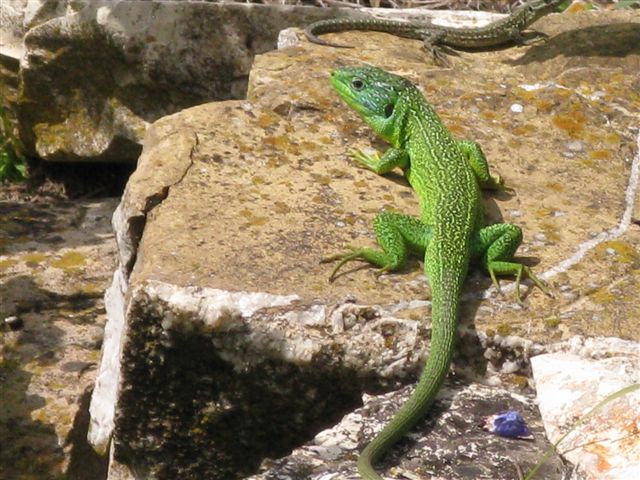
(496, 245)
(397, 235)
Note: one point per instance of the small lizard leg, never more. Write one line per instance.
(397, 234)
(480, 166)
(431, 40)
(496, 245)
(392, 158)
(533, 37)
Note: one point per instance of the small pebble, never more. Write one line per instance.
(516, 108)
(14, 322)
(575, 146)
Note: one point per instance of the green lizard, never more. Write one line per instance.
(505, 30)
(447, 176)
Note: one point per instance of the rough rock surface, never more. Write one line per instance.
(227, 345)
(448, 444)
(570, 382)
(87, 77)
(55, 262)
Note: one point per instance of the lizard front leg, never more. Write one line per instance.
(495, 245)
(392, 158)
(478, 161)
(397, 234)
(431, 39)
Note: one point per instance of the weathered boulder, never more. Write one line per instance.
(93, 74)
(227, 345)
(449, 444)
(571, 381)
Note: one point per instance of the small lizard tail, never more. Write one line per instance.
(325, 26)
(445, 289)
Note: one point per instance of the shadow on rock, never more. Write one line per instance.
(30, 446)
(85, 463)
(42, 227)
(28, 357)
(616, 40)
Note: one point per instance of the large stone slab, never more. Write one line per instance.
(93, 74)
(228, 345)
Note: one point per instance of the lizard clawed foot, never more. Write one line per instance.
(523, 270)
(382, 271)
(343, 258)
(440, 57)
(500, 185)
(371, 161)
(538, 283)
(495, 282)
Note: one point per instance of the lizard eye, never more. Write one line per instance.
(357, 84)
(388, 110)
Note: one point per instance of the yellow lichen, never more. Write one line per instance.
(69, 260)
(456, 129)
(613, 138)
(519, 381)
(525, 94)
(624, 251)
(555, 186)
(488, 114)
(503, 329)
(524, 130)
(544, 106)
(34, 258)
(603, 296)
(572, 123)
(600, 154)
(281, 207)
(267, 120)
(550, 230)
(543, 212)
(7, 263)
(552, 322)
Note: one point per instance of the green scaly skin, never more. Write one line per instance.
(447, 176)
(505, 30)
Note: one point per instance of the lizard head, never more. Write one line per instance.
(538, 8)
(372, 93)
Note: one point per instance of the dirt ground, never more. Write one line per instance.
(57, 254)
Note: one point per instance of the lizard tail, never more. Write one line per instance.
(445, 288)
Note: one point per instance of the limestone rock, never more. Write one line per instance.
(94, 74)
(449, 444)
(230, 346)
(570, 382)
